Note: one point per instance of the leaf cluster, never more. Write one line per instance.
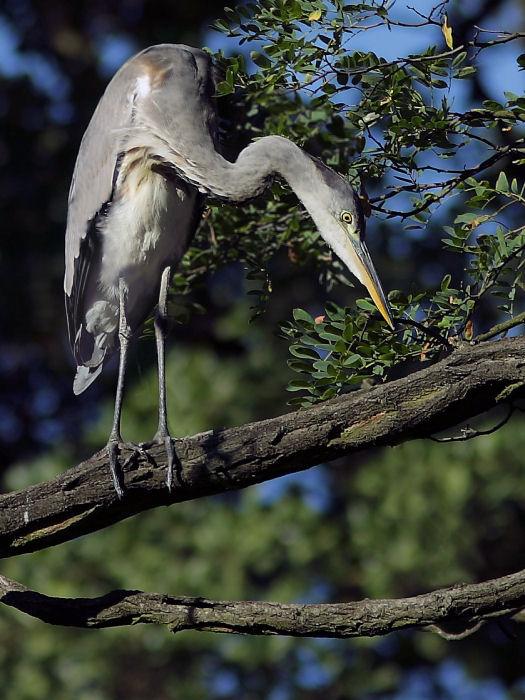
(336, 352)
(395, 122)
(392, 117)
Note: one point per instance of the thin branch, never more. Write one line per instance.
(428, 18)
(468, 433)
(500, 328)
(426, 330)
(504, 38)
(446, 187)
(398, 63)
(451, 612)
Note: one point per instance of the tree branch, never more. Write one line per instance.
(451, 612)
(469, 381)
(446, 186)
(500, 328)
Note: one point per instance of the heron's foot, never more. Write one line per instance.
(117, 471)
(114, 466)
(169, 445)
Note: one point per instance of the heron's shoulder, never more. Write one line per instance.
(159, 61)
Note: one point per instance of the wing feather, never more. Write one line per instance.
(93, 176)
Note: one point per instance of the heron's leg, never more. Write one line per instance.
(124, 335)
(161, 330)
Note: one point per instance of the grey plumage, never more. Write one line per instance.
(122, 142)
(147, 161)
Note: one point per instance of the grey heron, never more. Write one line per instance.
(148, 159)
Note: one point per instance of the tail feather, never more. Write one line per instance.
(92, 346)
(85, 376)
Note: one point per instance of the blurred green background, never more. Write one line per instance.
(390, 523)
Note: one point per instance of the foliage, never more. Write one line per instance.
(348, 346)
(394, 123)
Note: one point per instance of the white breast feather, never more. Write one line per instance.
(147, 226)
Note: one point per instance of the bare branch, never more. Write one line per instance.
(501, 328)
(504, 37)
(451, 612)
(469, 433)
(446, 186)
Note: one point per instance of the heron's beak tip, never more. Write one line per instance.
(373, 285)
(360, 263)
(382, 304)
(390, 322)
(387, 315)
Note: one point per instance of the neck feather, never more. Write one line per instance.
(253, 171)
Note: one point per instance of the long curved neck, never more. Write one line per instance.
(253, 171)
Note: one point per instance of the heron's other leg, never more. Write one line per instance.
(161, 330)
(124, 336)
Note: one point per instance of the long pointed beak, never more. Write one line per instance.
(363, 268)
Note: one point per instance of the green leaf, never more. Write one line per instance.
(352, 360)
(328, 394)
(458, 60)
(224, 88)
(464, 72)
(304, 352)
(445, 283)
(299, 366)
(327, 335)
(502, 184)
(365, 304)
(328, 88)
(298, 385)
(260, 59)
(303, 317)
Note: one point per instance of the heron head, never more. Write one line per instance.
(339, 217)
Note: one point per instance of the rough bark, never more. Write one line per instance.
(451, 612)
(469, 381)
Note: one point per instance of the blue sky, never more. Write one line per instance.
(400, 41)
(114, 49)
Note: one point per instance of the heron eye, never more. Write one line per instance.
(346, 217)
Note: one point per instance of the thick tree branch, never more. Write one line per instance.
(469, 381)
(451, 612)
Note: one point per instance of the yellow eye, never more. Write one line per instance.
(346, 217)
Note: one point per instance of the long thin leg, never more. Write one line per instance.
(124, 335)
(161, 329)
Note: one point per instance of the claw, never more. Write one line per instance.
(117, 470)
(170, 452)
(169, 446)
(138, 450)
(116, 474)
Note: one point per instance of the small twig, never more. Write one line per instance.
(504, 39)
(500, 328)
(469, 433)
(427, 330)
(451, 636)
(492, 276)
(428, 18)
(448, 185)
